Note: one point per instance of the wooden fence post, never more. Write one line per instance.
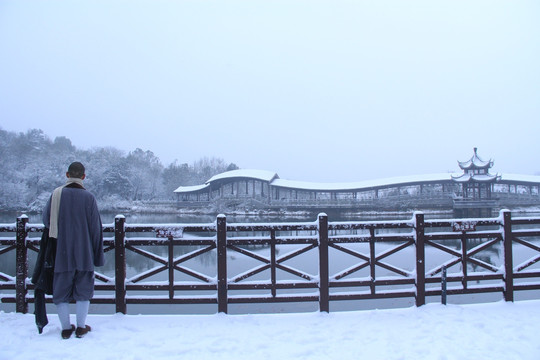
(420, 260)
(21, 267)
(170, 262)
(464, 267)
(443, 285)
(508, 257)
(120, 263)
(372, 257)
(324, 291)
(273, 262)
(221, 225)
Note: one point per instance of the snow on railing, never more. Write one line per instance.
(370, 260)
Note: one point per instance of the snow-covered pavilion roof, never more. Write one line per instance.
(475, 177)
(475, 162)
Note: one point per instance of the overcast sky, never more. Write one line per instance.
(322, 91)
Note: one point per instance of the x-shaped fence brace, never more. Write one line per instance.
(463, 256)
(368, 260)
(6, 277)
(530, 261)
(267, 263)
(165, 263)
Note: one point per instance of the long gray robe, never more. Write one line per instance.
(80, 234)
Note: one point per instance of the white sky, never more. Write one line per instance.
(313, 90)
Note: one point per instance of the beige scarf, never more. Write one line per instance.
(55, 205)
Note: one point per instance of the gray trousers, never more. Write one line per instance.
(73, 285)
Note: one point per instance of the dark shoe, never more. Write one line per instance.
(80, 332)
(66, 334)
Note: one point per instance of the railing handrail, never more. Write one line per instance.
(320, 235)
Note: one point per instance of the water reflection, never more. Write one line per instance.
(149, 218)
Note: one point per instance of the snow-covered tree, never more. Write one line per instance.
(31, 166)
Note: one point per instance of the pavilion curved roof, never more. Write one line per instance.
(475, 177)
(475, 162)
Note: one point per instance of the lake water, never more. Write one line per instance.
(144, 218)
(308, 262)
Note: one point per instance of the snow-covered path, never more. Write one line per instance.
(487, 331)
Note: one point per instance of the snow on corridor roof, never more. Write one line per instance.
(193, 188)
(521, 178)
(263, 175)
(361, 184)
(274, 180)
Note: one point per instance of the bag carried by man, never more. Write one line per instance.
(43, 277)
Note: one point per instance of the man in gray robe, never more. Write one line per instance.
(72, 217)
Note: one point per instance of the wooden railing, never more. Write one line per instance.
(345, 261)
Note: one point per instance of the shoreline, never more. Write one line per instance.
(139, 209)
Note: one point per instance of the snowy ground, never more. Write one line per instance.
(488, 331)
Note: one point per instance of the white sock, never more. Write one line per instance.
(82, 311)
(63, 315)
